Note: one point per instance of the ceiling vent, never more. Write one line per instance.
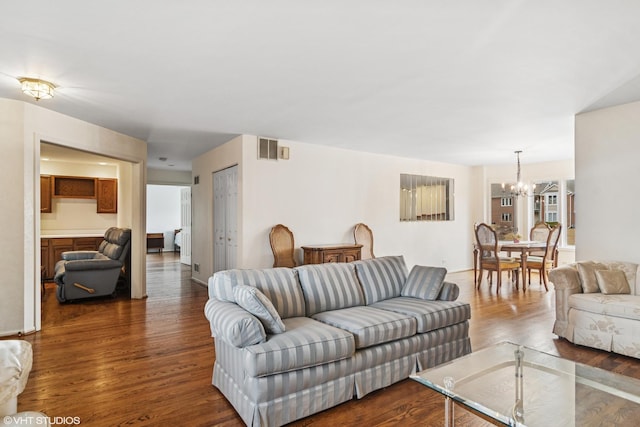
(267, 148)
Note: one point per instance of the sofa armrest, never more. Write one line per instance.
(449, 292)
(233, 324)
(566, 281)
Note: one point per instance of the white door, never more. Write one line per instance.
(185, 225)
(225, 221)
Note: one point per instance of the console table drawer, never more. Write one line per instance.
(319, 254)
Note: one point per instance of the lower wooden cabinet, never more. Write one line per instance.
(51, 250)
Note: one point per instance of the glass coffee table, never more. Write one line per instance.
(514, 385)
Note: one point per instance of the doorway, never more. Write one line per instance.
(131, 194)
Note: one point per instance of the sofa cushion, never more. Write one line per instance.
(430, 315)
(587, 274)
(329, 286)
(254, 301)
(306, 342)
(381, 278)
(280, 285)
(370, 326)
(424, 282)
(233, 324)
(612, 282)
(627, 306)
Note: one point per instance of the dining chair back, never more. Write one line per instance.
(282, 246)
(539, 232)
(363, 235)
(548, 260)
(489, 256)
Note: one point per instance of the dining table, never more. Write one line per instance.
(524, 247)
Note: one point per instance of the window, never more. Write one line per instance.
(502, 210)
(426, 198)
(553, 203)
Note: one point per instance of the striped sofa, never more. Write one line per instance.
(290, 342)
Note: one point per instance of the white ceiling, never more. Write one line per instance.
(463, 81)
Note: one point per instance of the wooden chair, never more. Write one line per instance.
(548, 260)
(363, 235)
(539, 233)
(489, 256)
(282, 246)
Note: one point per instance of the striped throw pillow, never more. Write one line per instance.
(424, 282)
(256, 303)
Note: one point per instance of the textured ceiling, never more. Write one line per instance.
(464, 81)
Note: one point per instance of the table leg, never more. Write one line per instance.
(523, 261)
(448, 412)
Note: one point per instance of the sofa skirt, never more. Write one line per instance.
(279, 399)
(285, 409)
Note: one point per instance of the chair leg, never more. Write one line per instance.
(498, 281)
(480, 278)
(545, 278)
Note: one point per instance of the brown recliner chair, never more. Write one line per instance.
(89, 274)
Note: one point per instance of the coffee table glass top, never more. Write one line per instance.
(541, 390)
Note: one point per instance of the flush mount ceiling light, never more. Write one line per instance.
(39, 89)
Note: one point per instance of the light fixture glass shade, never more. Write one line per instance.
(39, 89)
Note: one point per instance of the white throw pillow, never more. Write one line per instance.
(256, 303)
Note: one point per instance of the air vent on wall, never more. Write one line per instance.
(267, 148)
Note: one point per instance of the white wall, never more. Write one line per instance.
(607, 173)
(71, 216)
(168, 177)
(22, 128)
(320, 194)
(163, 211)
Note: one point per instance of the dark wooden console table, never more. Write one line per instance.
(340, 252)
(155, 241)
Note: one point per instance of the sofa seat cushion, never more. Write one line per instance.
(306, 342)
(616, 305)
(430, 315)
(370, 326)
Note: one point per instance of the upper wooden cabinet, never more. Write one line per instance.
(107, 195)
(103, 190)
(45, 193)
(77, 187)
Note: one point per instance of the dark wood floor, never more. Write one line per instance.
(118, 362)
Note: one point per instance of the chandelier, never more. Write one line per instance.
(519, 188)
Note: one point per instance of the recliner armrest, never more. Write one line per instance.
(75, 255)
(92, 264)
